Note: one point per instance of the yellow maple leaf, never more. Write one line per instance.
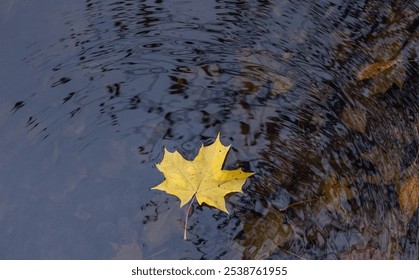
(201, 177)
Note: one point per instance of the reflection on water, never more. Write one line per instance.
(333, 156)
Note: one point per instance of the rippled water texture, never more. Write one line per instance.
(92, 91)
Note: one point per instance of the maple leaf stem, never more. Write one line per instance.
(187, 215)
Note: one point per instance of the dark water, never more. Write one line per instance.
(92, 91)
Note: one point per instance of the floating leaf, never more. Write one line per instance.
(373, 69)
(202, 178)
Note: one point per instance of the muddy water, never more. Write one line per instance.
(92, 91)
